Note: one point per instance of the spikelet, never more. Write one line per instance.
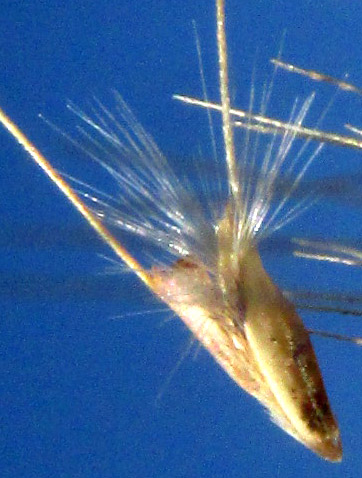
(208, 268)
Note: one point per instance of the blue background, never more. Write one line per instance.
(85, 393)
